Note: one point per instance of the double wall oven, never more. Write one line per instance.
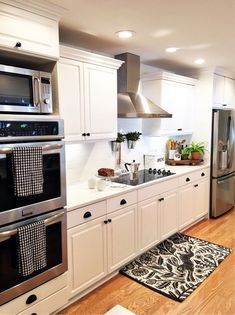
(47, 206)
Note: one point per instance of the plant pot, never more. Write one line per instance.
(196, 156)
(114, 145)
(131, 144)
(184, 156)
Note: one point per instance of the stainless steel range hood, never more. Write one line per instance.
(131, 104)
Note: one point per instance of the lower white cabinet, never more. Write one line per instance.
(100, 246)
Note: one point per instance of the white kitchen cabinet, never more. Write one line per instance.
(224, 92)
(29, 30)
(87, 95)
(122, 237)
(148, 225)
(175, 94)
(193, 197)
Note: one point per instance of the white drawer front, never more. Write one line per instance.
(121, 201)
(86, 214)
(202, 173)
(156, 189)
(194, 176)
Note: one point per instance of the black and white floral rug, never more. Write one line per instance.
(176, 266)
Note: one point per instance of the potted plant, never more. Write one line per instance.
(185, 153)
(115, 144)
(196, 150)
(132, 137)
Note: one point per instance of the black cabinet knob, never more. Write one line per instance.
(179, 129)
(18, 44)
(83, 134)
(202, 174)
(196, 185)
(106, 221)
(87, 215)
(160, 199)
(33, 313)
(187, 179)
(109, 220)
(224, 104)
(123, 202)
(32, 298)
(88, 134)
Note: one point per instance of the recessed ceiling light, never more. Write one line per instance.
(171, 49)
(199, 61)
(125, 34)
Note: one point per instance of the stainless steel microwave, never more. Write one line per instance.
(25, 91)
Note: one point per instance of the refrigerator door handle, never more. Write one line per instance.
(225, 178)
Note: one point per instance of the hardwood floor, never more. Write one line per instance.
(215, 296)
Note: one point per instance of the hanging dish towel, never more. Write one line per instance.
(27, 169)
(31, 247)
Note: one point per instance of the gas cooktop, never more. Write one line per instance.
(141, 177)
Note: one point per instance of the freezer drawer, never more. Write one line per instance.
(222, 197)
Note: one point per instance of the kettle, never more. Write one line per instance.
(134, 167)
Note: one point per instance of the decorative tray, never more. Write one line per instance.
(183, 162)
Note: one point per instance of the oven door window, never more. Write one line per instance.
(51, 184)
(16, 89)
(9, 273)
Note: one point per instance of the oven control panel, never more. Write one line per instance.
(28, 128)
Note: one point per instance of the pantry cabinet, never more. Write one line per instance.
(175, 94)
(87, 95)
(224, 92)
(30, 29)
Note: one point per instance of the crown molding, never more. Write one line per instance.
(168, 76)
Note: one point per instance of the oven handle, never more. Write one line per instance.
(46, 222)
(46, 147)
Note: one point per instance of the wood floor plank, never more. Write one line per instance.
(215, 296)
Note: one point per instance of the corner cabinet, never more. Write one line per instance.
(30, 29)
(224, 92)
(87, 94)
(175, 94)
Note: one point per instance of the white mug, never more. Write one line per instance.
(91, 182)
(101, 184)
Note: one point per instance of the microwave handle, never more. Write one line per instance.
(36, 91)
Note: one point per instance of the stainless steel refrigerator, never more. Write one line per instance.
(222, 162)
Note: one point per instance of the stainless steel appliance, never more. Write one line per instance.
(25, 90)
(142, 176)
(48, 206)
(222, 161)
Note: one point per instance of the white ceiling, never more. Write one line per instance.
(200, 28)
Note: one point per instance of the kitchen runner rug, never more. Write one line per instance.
(176, 266)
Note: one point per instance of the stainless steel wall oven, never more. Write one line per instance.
(48, 206)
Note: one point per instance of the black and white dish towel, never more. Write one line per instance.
(27, 168)
(31, 247)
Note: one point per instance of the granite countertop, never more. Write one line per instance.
(79, 195)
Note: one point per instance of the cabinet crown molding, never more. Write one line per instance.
(42, 7)
(169, 77)
(89, 57)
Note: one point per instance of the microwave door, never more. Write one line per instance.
(36, 93)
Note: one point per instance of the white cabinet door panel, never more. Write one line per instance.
(169, 214)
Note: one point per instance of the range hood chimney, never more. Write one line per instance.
(131, 104)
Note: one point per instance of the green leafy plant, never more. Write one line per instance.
(120, 137)
(134, 136)
(196, 147)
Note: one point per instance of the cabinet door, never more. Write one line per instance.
(37, 35)
(168, 213)
(218, 90)
(201, 198)
(87, 255)
(186, 205)
(229, 92)
(122, 237)
(100, 101)
(70, 91)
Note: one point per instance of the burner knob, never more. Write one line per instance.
(159, 172)
(150, 170)
(154, 171)
(163, 172)
(168, 172)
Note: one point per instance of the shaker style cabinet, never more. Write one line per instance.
(87, 95)
(175, 94)
(30, 33)
(224, 92)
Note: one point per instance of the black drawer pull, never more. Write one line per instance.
(106, 221)
(32, 298)
(83, 134)
(18, 44)
(34, 314)
(202, 174)
(109, 220)
(196, 185)
(123, 202)
(224, 104)
(87, 215)
(88, 134)
(187, 179)
(160, 199)
(179, 129)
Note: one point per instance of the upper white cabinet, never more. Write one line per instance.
(224, 92)
(175, 94)
(30, 29)
(87, 94)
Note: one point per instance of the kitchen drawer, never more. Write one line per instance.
(193, 176)
(121, 201)
(156, 189)
(86, 214)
